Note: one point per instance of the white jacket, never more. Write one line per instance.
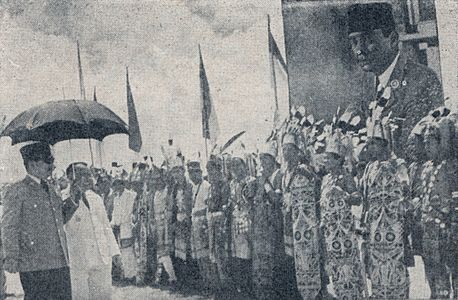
(91, 242)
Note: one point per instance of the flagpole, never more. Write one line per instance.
(206, 149)
(83, 92)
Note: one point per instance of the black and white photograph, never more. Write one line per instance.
(228, 149)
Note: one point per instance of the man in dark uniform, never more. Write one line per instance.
(407, 89)
(33, 237)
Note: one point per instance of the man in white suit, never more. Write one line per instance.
(91, 243)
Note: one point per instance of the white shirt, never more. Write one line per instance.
(36, 179)
(122, 212)
(385, 76)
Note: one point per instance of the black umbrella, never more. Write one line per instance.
(61, 120)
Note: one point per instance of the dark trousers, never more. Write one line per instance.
(51, 284)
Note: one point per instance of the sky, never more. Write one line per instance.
(158, 41)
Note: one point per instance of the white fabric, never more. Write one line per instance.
(122, 212)
(129, 262)
(36, 179)
(166, 262)
(200, 200)
(93, 284)
(91, 246)
(385, 76)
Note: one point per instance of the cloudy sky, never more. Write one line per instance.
(158, 40)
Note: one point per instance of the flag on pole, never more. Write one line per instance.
(210, 127)
(135, 137)
(276, 58)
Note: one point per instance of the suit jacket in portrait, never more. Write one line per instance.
(32, 226)
(414, 90)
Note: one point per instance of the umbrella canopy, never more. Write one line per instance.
(61, 120)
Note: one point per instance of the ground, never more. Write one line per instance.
(418, 289)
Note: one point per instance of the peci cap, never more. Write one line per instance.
(36, 152)
(193, 165)
(370, 16)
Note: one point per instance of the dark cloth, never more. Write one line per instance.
(33, 235)
(415, 90)
(242, 275)
(53, 284)
(219, 196)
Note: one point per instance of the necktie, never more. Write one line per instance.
(45, 186)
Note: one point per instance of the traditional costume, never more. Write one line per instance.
(434, 189)
(240, 210)
(301, 188)
(122, 217)
(140, 221)
(386, 209)
(162, 231)
(217, 221)
(343, 261)
(180, 194)
(199, 235)
(270, 275)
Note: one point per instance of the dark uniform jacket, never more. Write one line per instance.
(415, 90)
(32, 226)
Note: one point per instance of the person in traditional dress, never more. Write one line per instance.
(240, 210)
(151, 255)
(303, 239)
(273, 278)
(387, 208)
(180, 193)
(217, 216)
(122, 218)
(433, 192)
(338, 194)
(162, 228)
(91, 243)
(140, 221)
(199, 235)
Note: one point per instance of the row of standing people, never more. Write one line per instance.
(287, 233)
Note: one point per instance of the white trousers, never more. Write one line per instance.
(166, 261)
(91, 284)
(129, 262)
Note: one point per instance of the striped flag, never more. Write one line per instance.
(210, 128)
(135, 137)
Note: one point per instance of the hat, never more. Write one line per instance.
(156, 172)
(193, 165)
(215, 163)
(269, 148)
(289, 139)
(36, 151)
(370, 16)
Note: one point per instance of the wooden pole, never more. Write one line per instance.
(83, 93)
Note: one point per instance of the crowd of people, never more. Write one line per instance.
(282, 223)
(322, 210)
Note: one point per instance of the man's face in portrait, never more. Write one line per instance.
(374, 50)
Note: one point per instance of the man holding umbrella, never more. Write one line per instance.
(34, 241)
